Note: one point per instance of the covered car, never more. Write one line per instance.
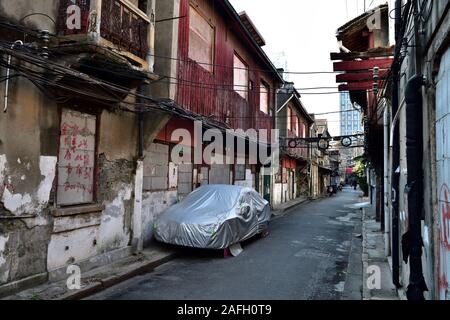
(214, 217)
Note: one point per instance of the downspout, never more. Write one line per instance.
(387, 215)
(414, 189)
(311, 184)
(8, 74)
(273, 166)
(394, 151)
(412, 241)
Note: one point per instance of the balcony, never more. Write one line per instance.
(107, 25)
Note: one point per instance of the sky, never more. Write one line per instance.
(305, 30)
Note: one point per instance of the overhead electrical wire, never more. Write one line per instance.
(37, 79)
(219, 88)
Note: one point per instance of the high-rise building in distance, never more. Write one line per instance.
(350, 121)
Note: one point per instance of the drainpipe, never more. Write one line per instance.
(394, 152)
(8, 74)
(387, 215)
(412, 241)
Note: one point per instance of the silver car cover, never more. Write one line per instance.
(214, 217)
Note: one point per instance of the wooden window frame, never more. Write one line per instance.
(241, 89)
(289, 118)
(208, 66)
(266, 87)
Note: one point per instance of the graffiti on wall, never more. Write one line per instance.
(76, 158)
(442, 122)
(444, 241)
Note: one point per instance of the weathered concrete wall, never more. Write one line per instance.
(35, 235)
(160, 186)
(32, 239)
(166, 45)
(153, 205)
(156, 167)
(18, 9)
(104, 230)
(436, 257)
(27, 172)
(185, 179)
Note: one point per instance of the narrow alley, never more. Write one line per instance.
(224, 149)
(312, 252)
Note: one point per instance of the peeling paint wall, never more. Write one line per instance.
(27, 173)
(18, 203)
(115, 231)
(153, 205)
(108, 229)
(37, 236)
(17, 9)
(4, 272)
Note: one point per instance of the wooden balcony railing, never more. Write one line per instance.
(119, 22)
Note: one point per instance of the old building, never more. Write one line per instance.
(213, 65)
(410, 110)
(293, 179)
(325, 170)
(77, 122)
(364, 61)
(419, 113)
(350, 116)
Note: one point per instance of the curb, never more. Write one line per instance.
(103, 284)
(283, 212)
(365, 258)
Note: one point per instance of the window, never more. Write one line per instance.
(240, 77)
(264, 97)
(296, 125)
(303, 131)
(289, 119)
(201, 40)
(76, 158)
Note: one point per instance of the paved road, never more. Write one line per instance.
(312, 252)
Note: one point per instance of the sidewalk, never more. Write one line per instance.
(101, 278)
(280, 209)
(374, 258)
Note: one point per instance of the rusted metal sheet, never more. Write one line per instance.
(211, 93)
(443, 176)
